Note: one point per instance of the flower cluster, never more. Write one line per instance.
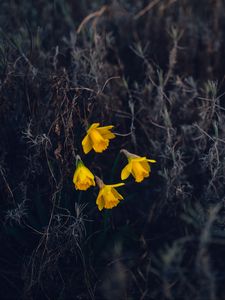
(97, 138)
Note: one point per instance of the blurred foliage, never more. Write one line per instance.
(154, 69)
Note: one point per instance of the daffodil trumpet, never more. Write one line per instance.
(139, 167)
(108, 197)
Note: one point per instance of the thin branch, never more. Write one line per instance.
(146, 9)
(95, 14)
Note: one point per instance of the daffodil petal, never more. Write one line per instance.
(100, 200)
(88, 172)
(151, 160)
(146, 166)
(93, 126)
(116, 194)
(126, 171)
(108, 135)
(105, 132)
(139, 178)
(116, 185)
(106, 127)
(75, 176)
(86, 144)
(138, 159)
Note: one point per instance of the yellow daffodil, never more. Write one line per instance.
(97, 138)
(108, 196)
(83, 178)
(138, 166)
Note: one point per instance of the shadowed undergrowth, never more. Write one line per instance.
(155, 70)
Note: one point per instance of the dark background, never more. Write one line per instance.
(155, 70)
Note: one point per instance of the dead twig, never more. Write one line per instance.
(95, 14)
(146, 9)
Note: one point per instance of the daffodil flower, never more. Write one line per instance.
(83, 178)
(97, 138)
(138, 166)
(108, 196)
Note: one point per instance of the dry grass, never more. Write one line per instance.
(154, 69)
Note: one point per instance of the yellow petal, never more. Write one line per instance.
(151, 160)
(116, 185)
(138, 159)
(108, 135)
(75, 176)
(93, 126)
(145, 165)
(87, 145)
(139, 179)
(88, 173)
(138, 168)
(116, 194)
(105, 132)
(126, 171)
(100, 200)
(106, 127)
